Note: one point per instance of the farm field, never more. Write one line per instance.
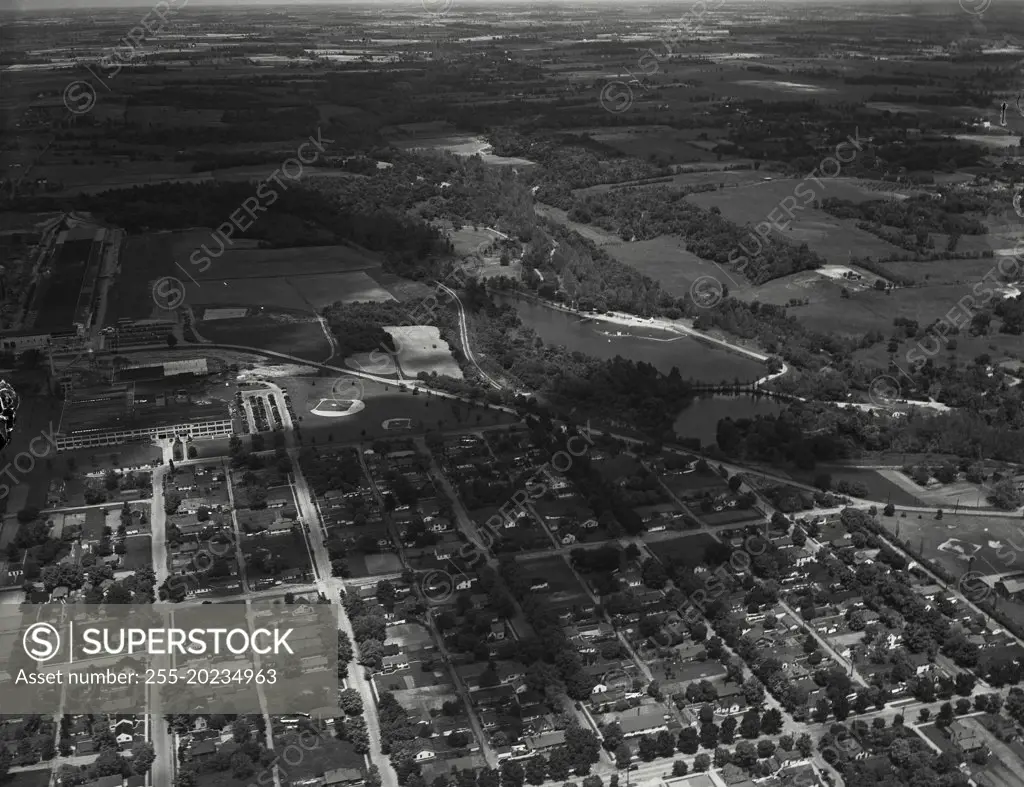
(296, 278)
(717, 175)
(255, 263)
(78, 182)
(144, 260)
(965, 272)
(297, 291)
(298, 335)
(662, 142)
(866, 310)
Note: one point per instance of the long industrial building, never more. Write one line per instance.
(113, 416)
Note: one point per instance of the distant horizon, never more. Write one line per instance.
(30, 6)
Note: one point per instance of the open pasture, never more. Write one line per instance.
(144, 260)
(661, 142)
(666, 260)
(717, 174)
(830, 237)
(865, 310)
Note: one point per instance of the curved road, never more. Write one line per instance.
(464, 337)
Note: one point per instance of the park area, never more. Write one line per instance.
(878, 486)
(383, 403)
(994, 542)
(421, 349)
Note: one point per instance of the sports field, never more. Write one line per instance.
(992, 541)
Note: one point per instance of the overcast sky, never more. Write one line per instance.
(85, 5)
(45, 5)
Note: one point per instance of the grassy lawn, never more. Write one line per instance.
(879, 487)
(830, 237)
(40, 778)
(139, 554)
(666, 260)
(290, 548)
(291, 333)
(730, 516)
(936, 737)
(327, 754)
(695, 482)
(616, 467)
(553, 569)
(689, 550)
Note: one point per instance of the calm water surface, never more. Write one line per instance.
(694, 359)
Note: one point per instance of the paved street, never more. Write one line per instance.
(332, 587)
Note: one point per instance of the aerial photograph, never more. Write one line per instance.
(491, 393)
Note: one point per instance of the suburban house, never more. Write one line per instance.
(396, 663)
(642, 721)
(202, 750)
(965, 738)
(549, 740)
(342, 777)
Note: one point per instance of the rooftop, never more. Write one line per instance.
(107, 411)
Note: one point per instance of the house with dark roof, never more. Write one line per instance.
(545, 742)
(642, 721)
(965, 738)
(342, 777)
(202, 750)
